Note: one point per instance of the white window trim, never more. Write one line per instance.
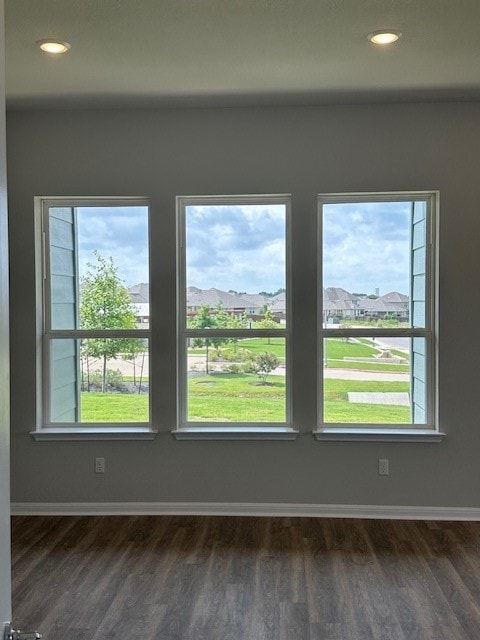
(230, 430)
(241, 431)
(74, 431)
(430, 431)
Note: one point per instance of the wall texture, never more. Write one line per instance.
(5, 590)
(302, 151)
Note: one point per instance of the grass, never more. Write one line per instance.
(259, 345)
(225, 397)
(336, 412)
(395, 352)
(255, 345)
(378, 365)
(339, 348)
(336, 350)
(338, 389)
(114, 407)
(229, 397)
(237, 397)
(400, 354)
(384, 323)
(337, 408)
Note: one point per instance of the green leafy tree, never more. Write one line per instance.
(204, 319)
(268, 322)
(207, 318)
(106, 304)
(227, 320)
(270, 294)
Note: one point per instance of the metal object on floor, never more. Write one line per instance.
(11, 634)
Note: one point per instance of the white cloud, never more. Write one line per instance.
(117, 232)
(236, 247)
(367, 245)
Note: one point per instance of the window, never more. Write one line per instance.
(376, 323)
(233, 300)
(95, 351)
(376, 311)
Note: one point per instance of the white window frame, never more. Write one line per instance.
(229, 430)
(429, 431)
(45, 429)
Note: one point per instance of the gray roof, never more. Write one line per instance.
(395, 297)
(255, 299)
(213, 297)
(139, 292)
(335, 300)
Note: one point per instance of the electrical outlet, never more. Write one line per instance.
(383, 466)
(99, 465)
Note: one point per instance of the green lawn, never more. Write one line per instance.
(338, 409)
(336, 350)
(395, 352)
(339, 348)
(259, 345)
(114, 407)
(255, 345)
(237, 397)
(343, 412)
(340, 388)
(378, 365)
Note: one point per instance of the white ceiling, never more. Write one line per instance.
(222, 52)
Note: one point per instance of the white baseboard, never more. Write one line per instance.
(244, 509)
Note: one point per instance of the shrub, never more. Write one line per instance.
(263, 364)
(114, 380)
(235, 354)
(232, 368)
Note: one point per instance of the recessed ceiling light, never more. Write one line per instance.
(50, 45)
(384, 36)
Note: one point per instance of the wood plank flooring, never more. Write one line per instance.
(236, 578)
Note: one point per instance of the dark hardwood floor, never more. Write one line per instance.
(235, 578)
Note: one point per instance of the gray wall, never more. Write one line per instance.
(5, 590)
(302, 151)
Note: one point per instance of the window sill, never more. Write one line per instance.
(235, 433)
(94, 433)
(351, 434)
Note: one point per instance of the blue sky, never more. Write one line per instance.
(366, 245)
(236, 247)
(119, 232)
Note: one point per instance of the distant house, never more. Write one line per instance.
(398, 304)
(233, 303)
(338, 304)
(140, 292)
(237, 304)
(139, 295)
(394, 304)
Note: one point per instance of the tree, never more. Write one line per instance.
(263, 364)
(225, 320)
(268, 322)
(106, 304)
(270, 294)
(207, 318)
(203, 320)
